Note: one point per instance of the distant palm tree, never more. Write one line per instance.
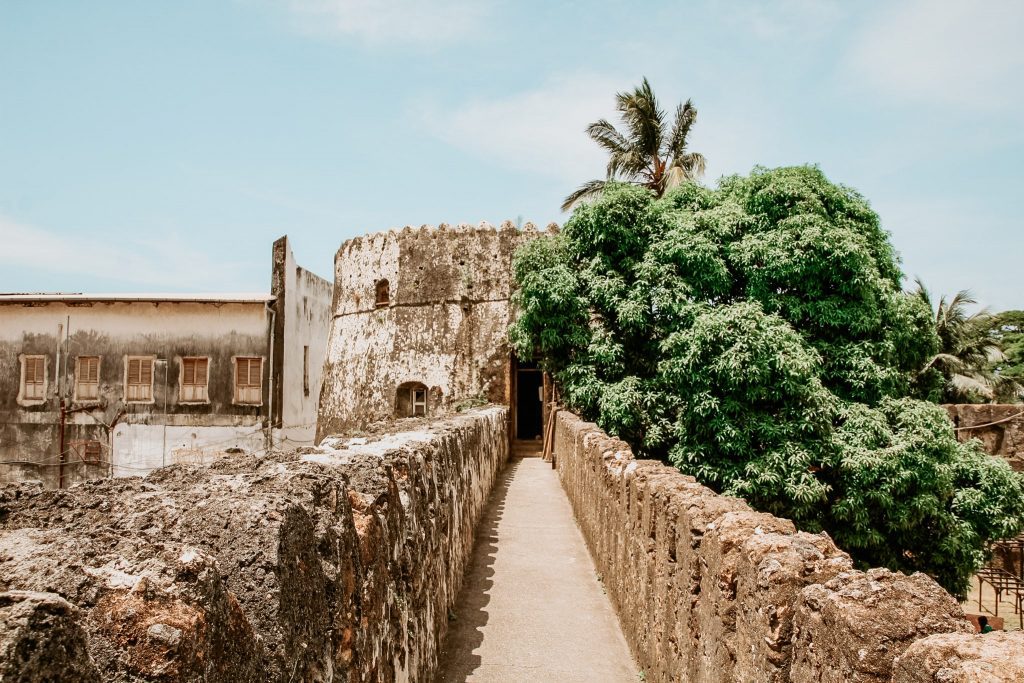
(966, 349)
(649, 154)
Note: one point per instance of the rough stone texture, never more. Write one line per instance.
(708, 590)
(771, 571)
(852, 627)
(339, 563)
(444, 326)
(41, 640)
(1006, 438)
(996, 657)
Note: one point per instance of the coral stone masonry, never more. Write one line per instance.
(708, 590)
(420, 323)
(337, 564)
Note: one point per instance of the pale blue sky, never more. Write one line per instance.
(155, 146)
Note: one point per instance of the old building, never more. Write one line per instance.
(420, 326)
(119, 384)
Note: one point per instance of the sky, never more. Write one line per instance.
(150, 146)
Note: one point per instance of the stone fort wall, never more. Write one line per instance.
(442, 325)
(999, 427)
(338, 564)
(709, 590)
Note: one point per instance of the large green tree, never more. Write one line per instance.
(756, 336)
(650, 153)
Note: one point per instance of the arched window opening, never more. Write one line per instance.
(383, 289)
(411, 400)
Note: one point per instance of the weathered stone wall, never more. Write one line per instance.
(444, 325)
(335, 564)
(302, 321)
(708, 590)
(999, 427)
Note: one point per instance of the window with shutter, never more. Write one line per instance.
(33, 386)
(88, 451)
(195, 380)
(139, 379)
(87, 378)
(249, 380)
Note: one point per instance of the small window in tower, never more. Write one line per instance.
(383, 288)
(411, 400)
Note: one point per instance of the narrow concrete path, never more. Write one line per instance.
(531, 608)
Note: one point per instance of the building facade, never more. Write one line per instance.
(420, 325)
(118, 385)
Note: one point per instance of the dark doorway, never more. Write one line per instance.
(529, 404)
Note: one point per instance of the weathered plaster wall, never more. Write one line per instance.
(445, 325)
(303, 317)
(29, 435)
(708, 590)
(339, 564)
(1005, 437)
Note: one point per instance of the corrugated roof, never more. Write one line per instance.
(56, 297)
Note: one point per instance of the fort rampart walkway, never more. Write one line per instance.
(532, 608)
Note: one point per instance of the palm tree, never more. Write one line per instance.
(649, 154)
(966, 351)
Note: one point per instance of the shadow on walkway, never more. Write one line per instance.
(531, 609)
(465, 632)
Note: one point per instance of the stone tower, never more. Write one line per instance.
(419, 323)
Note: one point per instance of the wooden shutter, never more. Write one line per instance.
(35, 373)
(249, 380)
(88, 386)
(133, 370)
(194, 379)
(140, 379)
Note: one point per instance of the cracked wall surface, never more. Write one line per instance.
(707, 590)
(444, 324)
(336, 563)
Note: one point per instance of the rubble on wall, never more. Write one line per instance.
(999, 427)
(42, 641)
(709, 590)
(337, 563)
(963, 658)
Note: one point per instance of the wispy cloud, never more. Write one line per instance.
(168, 262)
(539, 130)
(782, 19)
(392, 22)
(955, 52)
(542, 130)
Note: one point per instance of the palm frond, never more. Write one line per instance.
(588, 190)
(644, 118)
(605, 134)
(686, 116)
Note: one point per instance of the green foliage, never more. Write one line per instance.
(756, 336)
(967, 366)
(649, 154)
(1007, 329)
